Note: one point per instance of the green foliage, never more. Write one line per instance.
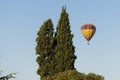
(64, 49)
(44, 48)
(66, 75)
(93, 76)
(74, 75)
(56, 52)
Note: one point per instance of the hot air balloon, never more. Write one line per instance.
(88, 30)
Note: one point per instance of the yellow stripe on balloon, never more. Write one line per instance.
(88, 33)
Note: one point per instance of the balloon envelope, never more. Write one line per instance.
(88, 30)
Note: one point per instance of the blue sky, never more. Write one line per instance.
(21, 19)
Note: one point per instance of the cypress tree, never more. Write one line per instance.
(44, 48)
(64, 49)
